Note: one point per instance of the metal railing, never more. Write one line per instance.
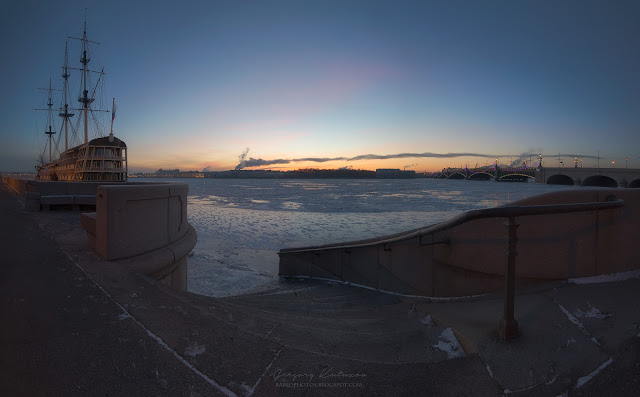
(100, 169)
(508, 326)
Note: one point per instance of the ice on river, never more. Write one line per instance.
(242, 224)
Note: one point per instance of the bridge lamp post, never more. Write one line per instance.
(613, 163)
(626, 162)
(575, 162)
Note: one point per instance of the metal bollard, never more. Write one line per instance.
(508, 326)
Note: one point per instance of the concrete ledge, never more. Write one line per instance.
(88, 222)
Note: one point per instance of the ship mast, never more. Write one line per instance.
(49, 120)
(50, 132)
(113, 116)
(66, 115)
(85, 99)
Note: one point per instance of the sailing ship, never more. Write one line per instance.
(96, 160)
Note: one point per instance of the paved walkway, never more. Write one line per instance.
(76, 325)
(61, 334)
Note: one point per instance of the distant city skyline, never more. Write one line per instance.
(371, 84)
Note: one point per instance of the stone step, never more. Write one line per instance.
(383, 321)
(319, 301)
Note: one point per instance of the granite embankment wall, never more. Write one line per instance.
(142, 227)
(469, 257)
(37, 195)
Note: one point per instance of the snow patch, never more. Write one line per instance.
(489, 370)
(606, 278)
(123, 316)
(194, 349)
(574, 320)
(428, 321)
(253, 389)
(509, 391)
(587, 378)
(591, 313)
(449, 344)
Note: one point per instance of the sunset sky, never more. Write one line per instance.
(198, 82)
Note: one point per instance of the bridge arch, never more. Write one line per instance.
(457, 175)
(634, 184)
(480, 176)
(600, 180)
(560, 179)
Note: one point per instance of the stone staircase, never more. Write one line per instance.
(342, 321)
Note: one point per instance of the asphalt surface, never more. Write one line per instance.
(62, 334)
(73, 324)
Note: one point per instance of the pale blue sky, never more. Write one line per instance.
(198, 82)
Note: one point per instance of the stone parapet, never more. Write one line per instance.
(468, 258)
(39, 195)
(143, 227)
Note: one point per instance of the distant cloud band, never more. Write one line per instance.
(253, 162)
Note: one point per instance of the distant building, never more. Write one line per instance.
(161, 171)
(394, 173)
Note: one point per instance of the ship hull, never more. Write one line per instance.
(99, 160)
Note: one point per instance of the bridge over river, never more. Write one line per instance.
(604, 177)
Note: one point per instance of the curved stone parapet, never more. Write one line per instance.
(145, 228)
(167, 264)
(467, 255)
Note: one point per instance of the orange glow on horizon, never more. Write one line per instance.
(415, 164)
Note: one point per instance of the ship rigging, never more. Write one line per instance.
(99, 159)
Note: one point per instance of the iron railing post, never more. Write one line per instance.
(508, 327)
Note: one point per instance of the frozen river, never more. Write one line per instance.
(242, 223)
